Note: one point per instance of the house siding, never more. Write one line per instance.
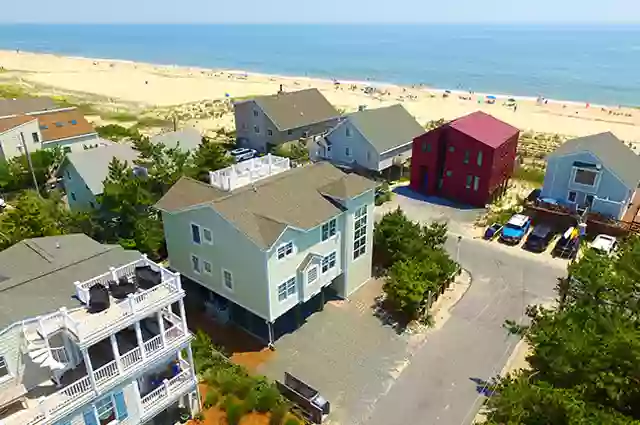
(613, 194)
(231, 250)
(358, 271)
(11, 143)
(428, 166)
(305, 243)
(358, 147)
(246, 121)
(76, 187)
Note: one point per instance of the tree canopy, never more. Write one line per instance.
(585, 361)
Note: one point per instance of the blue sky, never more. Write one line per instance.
(324, 11)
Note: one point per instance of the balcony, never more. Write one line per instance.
(168, 393)
(87, 327)
(45, 403)
(249, 171)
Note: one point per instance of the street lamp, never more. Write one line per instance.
(458, 250)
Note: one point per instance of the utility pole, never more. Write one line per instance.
(33, 173)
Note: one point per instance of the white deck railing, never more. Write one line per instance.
(249, 171)
(162, 396)
(105, 375)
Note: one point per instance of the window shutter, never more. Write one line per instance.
(121, 407)
(90, 417)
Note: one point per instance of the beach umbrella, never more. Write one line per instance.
(491, 97)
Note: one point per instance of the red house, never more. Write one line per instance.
(468, 160)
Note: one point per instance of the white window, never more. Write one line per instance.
(347, 131)
(106, 410)
(312, 275)
(256, 129)
(207, 267)
(585, 177)
(270, 132)
(328, 262)
(207, 235)
(4, 370)
(195, 233)
(195, 263)
(255, 113)
(360, 232)
(328, 229)
(285, 250)
(480, 158)
(572, 196)
(36, 137)
(287, 289)
(347, 152)
(476, 183)
(109, 410)
(227, 279)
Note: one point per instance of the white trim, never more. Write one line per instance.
(191, 224)
(586, 188)
(318, 274)
(397, 147)
(50, 111)
(293, 250)
(44, 142)
(328, 224)
(224, 285)
(208, 242)
(9, 376)
(285, 282)
(191, 256)
(204, 267)
(335, 262)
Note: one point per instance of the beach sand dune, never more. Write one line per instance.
(165, 85)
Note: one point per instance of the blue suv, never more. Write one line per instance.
(515, 229)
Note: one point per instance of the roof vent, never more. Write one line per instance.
(58, 245)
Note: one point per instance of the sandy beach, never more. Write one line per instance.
(166, 89)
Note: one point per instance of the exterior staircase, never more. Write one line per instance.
(40, 352)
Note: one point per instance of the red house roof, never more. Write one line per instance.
(484, 128)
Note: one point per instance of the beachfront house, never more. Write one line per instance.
(187, 139)
(598, 172)
(42, 129)
(91, 334)
(83, 173)
(266, 121)
(265, 243)
(373, 139)
(468, 160)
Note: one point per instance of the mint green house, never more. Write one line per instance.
(263, 240)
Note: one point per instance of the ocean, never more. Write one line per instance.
(598, 64)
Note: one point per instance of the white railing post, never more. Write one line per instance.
(138, 398)
(116, 351)
(89, 367)
(140, 340)
(163, 336)
(190, 356)
(178, 281)
(165, 383)
(132, 303)
(65, 317)
(114, 274)
(183, 315)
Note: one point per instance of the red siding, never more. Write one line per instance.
(447, 155)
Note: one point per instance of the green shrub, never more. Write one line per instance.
(277, 414)
(235, 411)
(199, 417)
(211, 398)
(529, 174)
(268, 399)
(292, 421)
(251, 400)
(227, 403)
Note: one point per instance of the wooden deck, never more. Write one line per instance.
(633, 212)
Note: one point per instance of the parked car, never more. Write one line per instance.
(539, 239)
(604, 243)
(568, 244)
(242, 154)
(492, 230)
(515, 229)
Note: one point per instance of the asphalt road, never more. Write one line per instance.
(437, 386)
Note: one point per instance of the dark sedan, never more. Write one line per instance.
(539, 239)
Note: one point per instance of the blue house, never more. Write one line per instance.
(598, 172)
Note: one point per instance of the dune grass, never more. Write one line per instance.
(10, 91)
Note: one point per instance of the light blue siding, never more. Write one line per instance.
(347, 136)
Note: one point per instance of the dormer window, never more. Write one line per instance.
(285, 250)
(585, 177)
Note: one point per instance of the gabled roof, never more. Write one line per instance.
(296, 109)
(187, 139)
(37, 275)
(63, 124)
(93, 164)
(15, 121)
(25, 105)
(613, 153)
(484, 128)
(301, 198)
(386, 128)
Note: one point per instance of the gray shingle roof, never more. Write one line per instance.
(39, 273)
(26, 105)
(187, 139)
(93, 164)
(299, 198)
(297, 109)
(386, 128)
(613, 153)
